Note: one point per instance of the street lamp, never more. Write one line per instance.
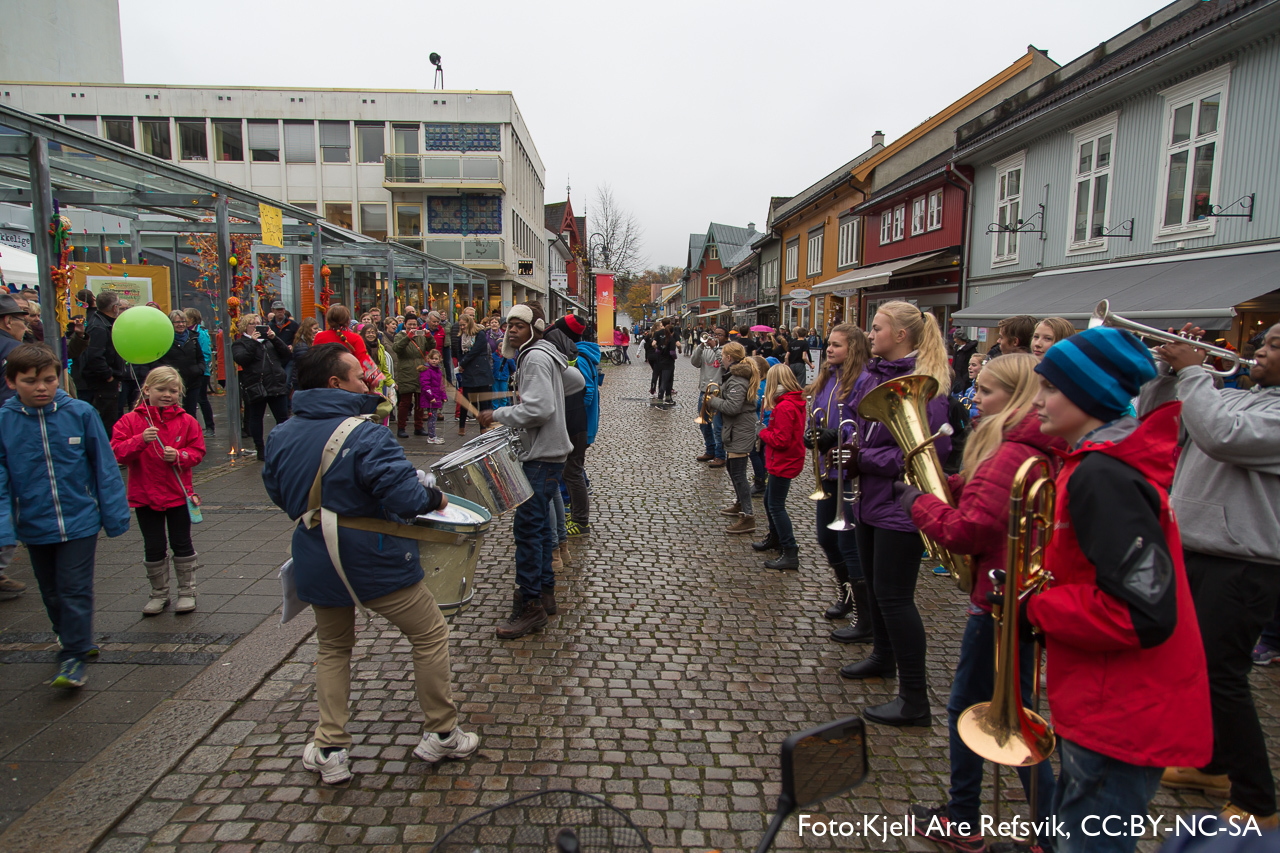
(603, 247)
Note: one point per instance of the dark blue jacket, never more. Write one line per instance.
(58, 477)
(371, 478)
(475, 367)
(8, 343)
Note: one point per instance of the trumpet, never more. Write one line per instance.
(1102, 316)
(706, 336)
(819, 491)
(855, 492)
(704, 413)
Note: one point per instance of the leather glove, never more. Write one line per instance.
(848, 460)
(810, 436)
(827, 439)
(906, 494)
(1026, 631)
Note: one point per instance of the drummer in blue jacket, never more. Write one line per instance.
(371, 478)
(44, 429)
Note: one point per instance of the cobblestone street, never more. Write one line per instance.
(667, 683)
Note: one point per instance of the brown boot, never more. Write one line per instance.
(526, 616)
(549, 602)
(717, 463)
(1190, 777)
(732, 511)
(565, 556)
(744, 524)
(1242, 817)
(557, 564)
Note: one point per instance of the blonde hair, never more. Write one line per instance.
(1061, 328)
(736, 352)
(859, 354)
(778, 381)
(1015, 373)
(160, 376)
(469, 325)
(926, 340)
(245, 322)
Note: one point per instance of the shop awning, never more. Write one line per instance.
(1201, 289)
(715, 313)
(18, 267)
(873, 275)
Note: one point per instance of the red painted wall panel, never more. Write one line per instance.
(950, 234)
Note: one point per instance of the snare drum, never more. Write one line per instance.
(449, 559)
(487, 472)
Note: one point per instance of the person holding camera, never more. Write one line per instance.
(260, 355)
(411, 347)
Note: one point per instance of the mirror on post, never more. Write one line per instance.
(818, 764)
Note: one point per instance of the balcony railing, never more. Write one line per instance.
(476, 250)
(420, 169)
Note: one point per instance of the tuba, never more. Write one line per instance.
(899, 404)
(704, 415)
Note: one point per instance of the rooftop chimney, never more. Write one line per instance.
(877, 138)
(751, 226)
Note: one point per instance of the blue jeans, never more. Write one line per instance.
(532, 529)
(1092, 787)
(712, 438)
(775, 508)
(975, 682)
(757, 466)
(841, 547)
(64, 571)
(556, 515)
(500, 386)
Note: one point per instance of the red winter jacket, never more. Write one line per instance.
(1127, 674)
(784, 437)
(151, 480)
(979, 524)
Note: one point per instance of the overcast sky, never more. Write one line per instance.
(692, 111)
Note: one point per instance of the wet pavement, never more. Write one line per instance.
(674, 671)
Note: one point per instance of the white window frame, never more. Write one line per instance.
(713, 252)
(713, 286)
(918, 215)
(793, 261)
(1090, 134)
(813, 263)
(886, 227)
(1190, 92)
(935, 210)
(1016, 163)
(847, 242)
(900, 222)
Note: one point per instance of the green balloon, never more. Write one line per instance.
(142, 334)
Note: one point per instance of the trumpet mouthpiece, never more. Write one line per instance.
(946, 429)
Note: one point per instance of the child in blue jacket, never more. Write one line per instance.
(49, 441)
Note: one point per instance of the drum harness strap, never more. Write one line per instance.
(330, 521)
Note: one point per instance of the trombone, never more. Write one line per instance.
(840, 523)
(1102, 316)
(819, 490)
(703, 412)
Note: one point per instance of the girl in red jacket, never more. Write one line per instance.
(160, 443)
(1007, 435)
(783, 458)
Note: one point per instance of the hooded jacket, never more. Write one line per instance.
(187, 358)
(575, 404)
(979, 522)
(431, 387)
(589, 365)
(153, 482)
(8, 343)
(260, 362)
(475, 366)
(370, 478)
(1226, 492)
(735, 410)
(830, 409)
(1126, 665)
(707, 360)
(411, 354)
(58, 477)
(784, 437)
(540, 380)
(880, 459)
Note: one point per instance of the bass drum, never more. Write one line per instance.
(449, 556)
(487, 471)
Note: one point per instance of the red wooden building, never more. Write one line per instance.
(559, 219)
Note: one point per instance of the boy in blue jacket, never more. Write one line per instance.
(49, 441)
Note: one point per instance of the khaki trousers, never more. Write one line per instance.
(413, 610)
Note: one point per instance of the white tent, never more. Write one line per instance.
(18, 267)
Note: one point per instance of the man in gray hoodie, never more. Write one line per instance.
(541, 381)
(1226, 495)
(706, 357)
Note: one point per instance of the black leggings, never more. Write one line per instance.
(471, 392)
(738, 475)
(840, 546)
(200, 396)
(152, 523)
(891, 564)
(256, 410)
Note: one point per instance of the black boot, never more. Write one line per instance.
(769, 543)
(843, 605)
(899, 712)
(859, 630)
(871, 667)
(789, 559)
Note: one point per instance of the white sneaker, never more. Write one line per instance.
(459, 744)
(332, 770)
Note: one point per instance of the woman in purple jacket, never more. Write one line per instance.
(903, 341)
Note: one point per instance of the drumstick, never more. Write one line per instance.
(466, 404)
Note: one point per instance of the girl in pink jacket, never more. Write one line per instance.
(433, 396)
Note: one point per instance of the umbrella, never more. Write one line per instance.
(762, 328)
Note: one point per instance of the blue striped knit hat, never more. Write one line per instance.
(1100, 370)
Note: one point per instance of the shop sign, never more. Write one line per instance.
(800, 293)
(800, 303)
(17, 239)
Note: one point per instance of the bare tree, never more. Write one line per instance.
(614, 232)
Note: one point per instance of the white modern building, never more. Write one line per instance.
(453, 173)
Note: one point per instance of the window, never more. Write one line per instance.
(264, 142)
(305, 205)
(769, 277)
(1091, 183)
(118, 130)
(1008, 211)
(339, 214)
(899, 221)
(886, 227)
(373, 221)
(847, 242)
(713, 253)
(335, 142)
(193, 142)
(156, 140)
(935, 210)
(228, 141)
(405, 138)
(408, 220)
(369, 143)
(84, 124)
(793, 259)
(814, 264)
(713, 285)
(1193, 139)
(299, 142)
(917, 216)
